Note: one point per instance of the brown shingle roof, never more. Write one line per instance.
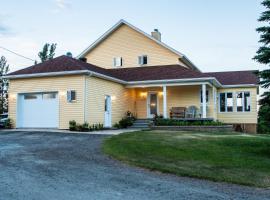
(156, 73)
(235, 77)
(64, 63)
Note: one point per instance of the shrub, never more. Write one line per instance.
(126, 121)
(264, 119)
(72, 125)
(85, 127)
(158, 121)
(8, 124)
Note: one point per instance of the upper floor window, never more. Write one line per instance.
(207, 96)
(117, 62)
(243, 101)
(226, 102)
(142, 60)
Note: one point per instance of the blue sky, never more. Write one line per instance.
(215, 35)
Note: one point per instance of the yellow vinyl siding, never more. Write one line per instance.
(240, 117)
(129, 44)
(67, 111)
(122, 100)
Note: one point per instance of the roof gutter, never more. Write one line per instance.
(213, 80)
(36, 75)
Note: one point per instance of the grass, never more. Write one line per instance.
(229, 157)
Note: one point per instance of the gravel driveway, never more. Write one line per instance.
(40, 165)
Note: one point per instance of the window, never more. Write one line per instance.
(207, 96)
(71, 95)
(48, 95)
(142, 60)
(30, 96)
(226, 102)
(117, 62)
(243, 101)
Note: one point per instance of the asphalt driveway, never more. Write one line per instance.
(40, 165)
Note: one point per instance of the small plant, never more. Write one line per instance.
(72, 125)
(85, 127)
(174, 122)
(8, 124)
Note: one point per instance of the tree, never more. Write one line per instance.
(4, 68)
(47, 52)
(263, 57)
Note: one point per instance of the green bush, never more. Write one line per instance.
(8, 124)
(174, 122)
(264, 120)
(73, 126)
(126, 121)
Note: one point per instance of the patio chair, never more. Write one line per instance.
(177, 112)
(191, 112)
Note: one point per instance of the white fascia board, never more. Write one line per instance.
(166, 84)
(118, 24)
(47, 74)
(240, 86)
(170, 81)
(50, 74)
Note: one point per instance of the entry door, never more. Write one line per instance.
(152, 104)
(107, 113)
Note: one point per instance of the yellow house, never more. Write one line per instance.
(127, 69)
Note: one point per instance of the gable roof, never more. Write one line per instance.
(64, 65)
(123, 22)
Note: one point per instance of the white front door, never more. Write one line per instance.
(38, 110)
(107, 112)
(152, 104)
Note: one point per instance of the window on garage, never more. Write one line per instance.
(30, 96)
(48, 95)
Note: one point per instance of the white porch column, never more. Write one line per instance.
(165, 102)
(204, 100)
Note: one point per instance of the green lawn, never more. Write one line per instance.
(230, 157)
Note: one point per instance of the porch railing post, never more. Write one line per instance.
(165, 101)
(204, 100)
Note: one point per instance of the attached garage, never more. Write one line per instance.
(38, 110)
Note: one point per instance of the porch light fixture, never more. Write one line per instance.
(13, 96)
(113, 98)
(160, 93)
(62, 93)
(143, 94)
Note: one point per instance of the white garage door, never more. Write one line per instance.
(38, 110)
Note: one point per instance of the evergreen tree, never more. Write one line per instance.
(47, 52)
(4, 68)
(263, 57)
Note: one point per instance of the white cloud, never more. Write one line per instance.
(61, 5)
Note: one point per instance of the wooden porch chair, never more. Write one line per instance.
(177, 112)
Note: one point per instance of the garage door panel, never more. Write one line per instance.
(38, 110)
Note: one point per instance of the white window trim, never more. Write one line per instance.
(141, 58)
(226, 109)
(72, 101)
(114, 62)
(243, 101)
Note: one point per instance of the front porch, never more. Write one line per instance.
(190, 102)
